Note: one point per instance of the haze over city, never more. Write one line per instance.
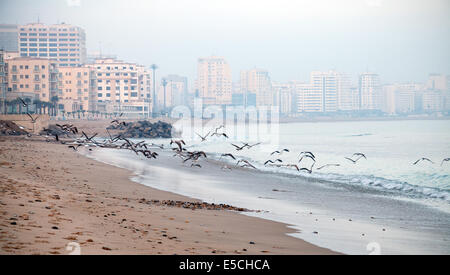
(400, 40)
(224, 127)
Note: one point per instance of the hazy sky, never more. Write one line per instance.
(402, 40)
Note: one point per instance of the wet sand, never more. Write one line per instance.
(51, 195)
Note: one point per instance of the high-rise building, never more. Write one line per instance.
(309, 98)
(369, 91)
(327, 92)
(64, 43)
(284, 97)
(9, 37)
(77, 89)
(122, 87)
(214, 80)
(257, 81)
(176, 91)
(438, 82)
(37, 76)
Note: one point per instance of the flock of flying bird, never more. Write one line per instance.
(179, 148)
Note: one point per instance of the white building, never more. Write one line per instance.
(257, 81)
(214, 80)
(370, 91)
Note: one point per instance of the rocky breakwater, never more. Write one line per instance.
(9, 128)
(143, 129)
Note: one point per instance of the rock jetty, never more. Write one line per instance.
(143, 129)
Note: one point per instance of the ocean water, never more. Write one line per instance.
(384, 201)
(391, 148)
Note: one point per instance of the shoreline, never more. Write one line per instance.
(51, 195)
(350, 219)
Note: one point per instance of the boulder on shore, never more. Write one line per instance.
(9, 128)
(143, 129)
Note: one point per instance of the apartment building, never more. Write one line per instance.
(77, 89)
(122, 87)
(61, 42)
(370, 91)
(36, 76)
(258, 81)
(214, 80)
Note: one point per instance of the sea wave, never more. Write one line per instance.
(366, 181)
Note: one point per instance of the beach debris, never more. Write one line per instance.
(193, 205)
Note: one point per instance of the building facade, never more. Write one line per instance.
(122, 87)
(77, 89)
(326, 92)
(61, 42)
(36, 76)
(176, 92)
(214, 80)
(369, 91)
(257, 81)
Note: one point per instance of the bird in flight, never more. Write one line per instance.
(179, 143)
(307, 156)
(358, 155)
(328, 165)
(239, 148)
(422, 159)
(228, 155)
(444, 160)
(33, 120)
(279, 152)
(307, 153)
(272, 161)
(203, 137)
(24, 104)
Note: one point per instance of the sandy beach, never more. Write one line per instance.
(51, 195)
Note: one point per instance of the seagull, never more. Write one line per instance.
(307, 153)
(219, 134)
(247, 163)
(278, 152)
(180, 143)
(271, 161)
(203, 138)
(307, 156)
(310, 170)
(422, 159)
(33, 120)
(328, 165)
(250, 146)
(356, 160)
(75, 148)
(238, 148)
(360, 155)
(23, 102)
(228, 155)
(444, 160)
(90, 138)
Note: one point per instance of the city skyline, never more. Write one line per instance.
(408, 52)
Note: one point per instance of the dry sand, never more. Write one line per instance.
(51, 196)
